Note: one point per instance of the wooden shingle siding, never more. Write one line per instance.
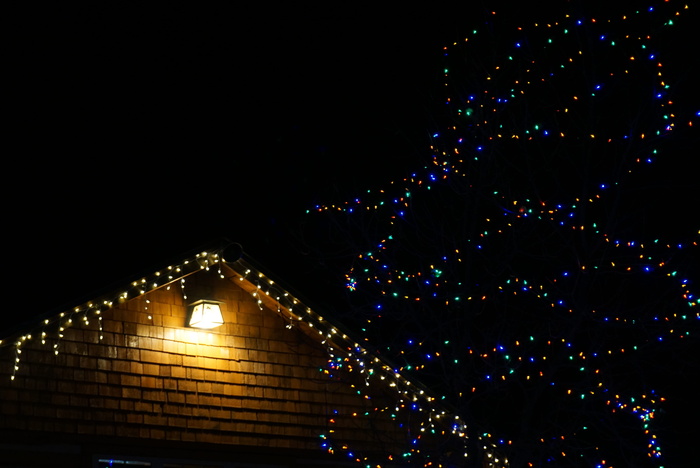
(250, 382)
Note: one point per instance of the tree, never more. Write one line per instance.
(530, 274)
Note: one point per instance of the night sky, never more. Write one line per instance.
(139, 133)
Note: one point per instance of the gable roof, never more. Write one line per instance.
(229, 262)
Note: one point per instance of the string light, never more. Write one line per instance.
(493, 129)
(344, 353)
(459, 153)
(94, 309)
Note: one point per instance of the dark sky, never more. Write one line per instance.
(140, 132)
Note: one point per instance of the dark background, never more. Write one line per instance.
(138, 132)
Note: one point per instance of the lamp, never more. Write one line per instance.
(206, 314)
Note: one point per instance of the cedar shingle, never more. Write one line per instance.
(150, 382)
(252, 381)
(151, 369)
(131, 393)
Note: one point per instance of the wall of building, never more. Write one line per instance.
(139, 374)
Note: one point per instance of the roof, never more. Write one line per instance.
(267, 291)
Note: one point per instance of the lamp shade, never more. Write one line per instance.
(206, 314)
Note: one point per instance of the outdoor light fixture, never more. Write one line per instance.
(206, 314)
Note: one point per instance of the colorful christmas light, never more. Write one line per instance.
(478, 271)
